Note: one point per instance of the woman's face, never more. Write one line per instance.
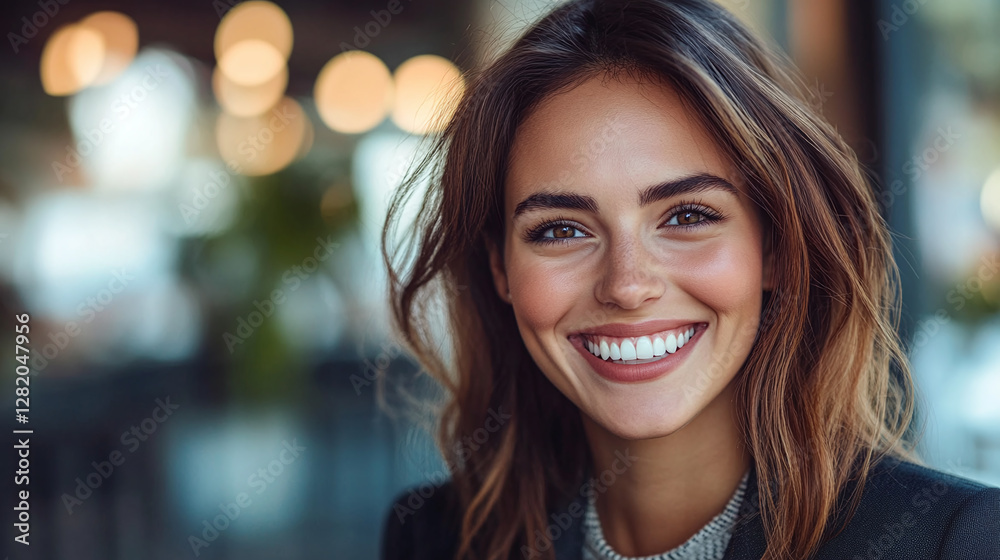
(629, 235)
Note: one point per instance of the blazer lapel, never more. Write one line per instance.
(570, 545)
(748, 542)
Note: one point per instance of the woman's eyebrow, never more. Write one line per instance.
(569, 201)
(696, 183)
(699, 182)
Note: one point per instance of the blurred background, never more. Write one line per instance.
(190, 199)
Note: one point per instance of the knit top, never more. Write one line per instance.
(709, 543)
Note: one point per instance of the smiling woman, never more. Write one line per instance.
(673, 273)
(650, 231)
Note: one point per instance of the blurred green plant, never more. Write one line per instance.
(282, 219)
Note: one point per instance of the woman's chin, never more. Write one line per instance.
(638, 423)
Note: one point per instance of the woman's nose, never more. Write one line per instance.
(629, 275)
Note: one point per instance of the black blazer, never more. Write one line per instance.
(907, 512)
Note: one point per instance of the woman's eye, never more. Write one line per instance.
(686, 218)
(564, 232)
(553, 232)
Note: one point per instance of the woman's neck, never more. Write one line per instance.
(657, 493)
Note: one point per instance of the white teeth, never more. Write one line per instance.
(640, 348)
(628, 350)
(643, 348)
(671, 343)
(659, 348)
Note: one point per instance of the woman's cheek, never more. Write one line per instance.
(544, 291)
(725, 275)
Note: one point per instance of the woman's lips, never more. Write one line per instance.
(637, 370)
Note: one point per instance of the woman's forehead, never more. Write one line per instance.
(610, 132)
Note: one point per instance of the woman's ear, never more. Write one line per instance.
(498, 271)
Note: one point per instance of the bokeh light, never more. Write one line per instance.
(428, 89)
(121, 41)
(251, 62)
(353, 92)
(989, 200)
(247, 101)
(252, 42)
(75, 240)
(264, 21)
(72, 59)
(262, 144)
(131, 134)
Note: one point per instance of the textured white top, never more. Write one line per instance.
(709, 543)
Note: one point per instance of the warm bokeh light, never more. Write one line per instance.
(71, 60)
(247, 101)
(989, 200)
(251, 62)
(428, 88)
(335, 200)
(262, 144)
(121, 41)
(86, 55)
(263, 21)
(353, 92)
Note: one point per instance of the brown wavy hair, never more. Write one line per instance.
(826, 390)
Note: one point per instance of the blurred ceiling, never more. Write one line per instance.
(188, 26)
